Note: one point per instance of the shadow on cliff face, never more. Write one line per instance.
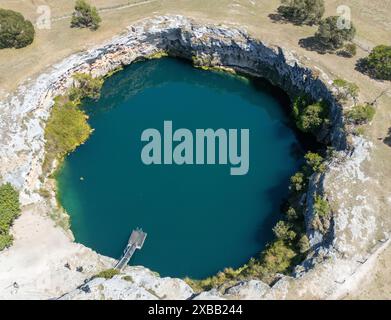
(387, 140)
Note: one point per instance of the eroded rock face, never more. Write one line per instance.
(23, 119)
(134, 283)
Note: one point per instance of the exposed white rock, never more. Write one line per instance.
(209, 295)
(249, 290)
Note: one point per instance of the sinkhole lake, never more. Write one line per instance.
(199, 218)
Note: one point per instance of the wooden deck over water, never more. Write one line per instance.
(136, 241)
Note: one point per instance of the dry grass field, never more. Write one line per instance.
(371, 18)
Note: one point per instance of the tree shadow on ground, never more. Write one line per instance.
(387, 140)
(312, 44)
(278, 18)
(361, 66)
(344, 54)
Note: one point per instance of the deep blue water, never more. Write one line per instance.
(199, 218)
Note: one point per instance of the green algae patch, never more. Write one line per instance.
(68, 127)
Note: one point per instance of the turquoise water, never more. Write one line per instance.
(199, 218)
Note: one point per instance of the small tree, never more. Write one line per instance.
(302, 11)
(312, 117)
(378, 63)
(283, 231)
(331, 35)
(321, 206)
(15, 31)
(304, 244)
(85, 16)
(298, 182)
(315, 162)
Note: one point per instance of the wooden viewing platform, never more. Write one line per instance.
(136, 241)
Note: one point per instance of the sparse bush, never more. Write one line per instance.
(5, 241)
(85, 16)
(315, 162)
(360, 131)
(349, 50)
(378, 63)
(346, 89)
(9, 210)
(107, 274)
(361, 114)
(331, 36)
(15, 31)
(302, 11)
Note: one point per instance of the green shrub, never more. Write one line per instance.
(85, 16)
(321, 206)
(5, 241)
(127, 278)
(361, 114)
(378, 63)
(302, 11)
(107, 274)
(315, 162)
(331, 36)
(9, 210)
(15, 31)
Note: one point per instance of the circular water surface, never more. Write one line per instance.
(199, 218)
